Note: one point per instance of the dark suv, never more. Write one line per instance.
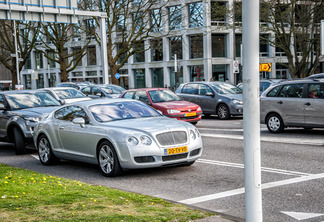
(20, 111)
(220, 98)
(298, 103)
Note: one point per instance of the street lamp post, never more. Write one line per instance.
(16, 51)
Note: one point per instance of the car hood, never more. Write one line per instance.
(148, 125)
(35, 112)
(179, 105)
(76, 100)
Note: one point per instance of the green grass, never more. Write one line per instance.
(29, 196)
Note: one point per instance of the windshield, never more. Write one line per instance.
(30, 100)
(113, 89)
(121, 110)
(159, 96)
(69, 93)
(225, 88)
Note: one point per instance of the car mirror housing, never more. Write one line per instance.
(209, 94)
(62, 101)
(2, 107)
(79, 120)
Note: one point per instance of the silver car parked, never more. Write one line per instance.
(298, 103)
(116, 134)
(220, 98)
(19, 112)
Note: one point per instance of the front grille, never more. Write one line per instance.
(194, 152)
(175, 157)
(144, 159)
(172, 138)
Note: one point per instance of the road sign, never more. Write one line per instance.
(265, 67)
(236, 66)
(117, 76)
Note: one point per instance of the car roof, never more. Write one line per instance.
(54, 88)
(300, 81)
(147, 89)
(22, 91)
(101, 101)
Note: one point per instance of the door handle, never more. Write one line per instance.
(61, 127)
(280, 102)
(307, 104)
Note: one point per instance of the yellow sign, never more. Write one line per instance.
(265, 67)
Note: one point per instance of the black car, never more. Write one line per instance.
(20, 111)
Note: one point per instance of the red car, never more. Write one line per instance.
(167, 102)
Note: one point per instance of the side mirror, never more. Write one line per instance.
(209, 94)
(99, 94)
(79, 120)
(63, 102)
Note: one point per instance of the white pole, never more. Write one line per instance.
(104, 57)
(251, 111)
(175, 63)
(17, 57)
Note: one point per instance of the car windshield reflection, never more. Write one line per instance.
(121, 110)
(31, 100)
(226, 88)
(69, 94)
(159, 96)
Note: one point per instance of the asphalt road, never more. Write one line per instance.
(292, 173)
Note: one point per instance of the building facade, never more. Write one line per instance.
(200, 45)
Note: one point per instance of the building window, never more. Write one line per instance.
(175, 47)
(40, 81)
(175, 17)
(75, 57)
(219, 45)
(176, 78)
(90, 27)
(157, 49)
(121, 23)
(139, 75)
(157, 78)
(52, 80)
(50, 62)
(39, 60)
(238, 12)
(264, 45)
(139, 55)
(197, 73)
(196, 18)
(196, 46)
(238, 43)
(122, 54)
(28, 63)
(218, 13)
(92, 58)
(219, 73)
(156, 20)
(77, 74)
(91, 73)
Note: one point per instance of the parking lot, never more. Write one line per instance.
(292, 173)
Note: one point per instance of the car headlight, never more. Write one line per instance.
(236, 101)
(32, 119)
(170, 111)
(199, 109)
(132, 140)
(192, 134)
(197, 132)
(146, 140)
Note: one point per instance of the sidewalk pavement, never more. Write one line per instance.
(215, 218)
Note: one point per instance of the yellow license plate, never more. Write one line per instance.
(176, 150)
(191, 114)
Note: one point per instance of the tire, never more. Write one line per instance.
(275, 123)
(19, 141)
(45, 153)
(223, 112)
(108, 160)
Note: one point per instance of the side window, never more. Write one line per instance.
(315, 90)
(128, 95)
(203, 89)
(96, 91)
(142, 96)
(292, 91)
(71, 112)
(273, 92)
(190, 89)
(86, 90)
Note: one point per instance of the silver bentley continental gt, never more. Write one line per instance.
(116, 134)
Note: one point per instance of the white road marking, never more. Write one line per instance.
(301, 215)
(265, 169)
(303, 141)
(242, 190)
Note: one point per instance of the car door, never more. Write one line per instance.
(314, 105)
(205, 99)
(290, 104)
(4, 117)
(189, 92)
(74, 138)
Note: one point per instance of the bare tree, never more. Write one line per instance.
(56, 38)
(26, 33)
(295, 29)
(129, 23)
